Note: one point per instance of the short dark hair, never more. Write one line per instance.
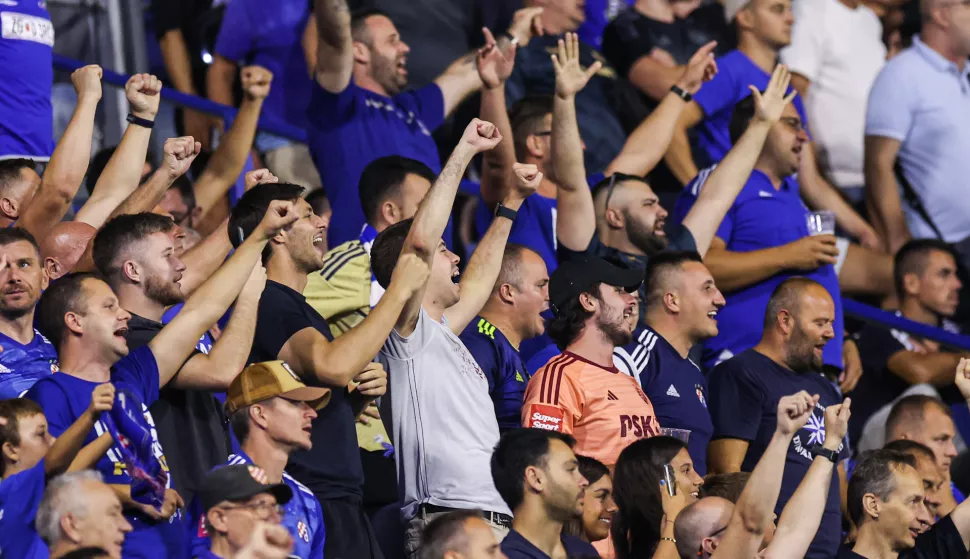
(615, 179)
(786, 296)
(517, 450)
(912, 257)
(86, 553)
(318, 201)
(382, 178)
(727, 486)
(13, 410)
(11, 169)
(252, 207)
(387, 249)
(445, 533)
(11, 235)
(911, 410)
(239, 424)
(912, 448)
(526, 117)
(659, 268)
(113, 243)
(185, 189)
(63, 296)
(874, 474)
(741, 118)
(511, 271)
(570, 318)
(358, 31)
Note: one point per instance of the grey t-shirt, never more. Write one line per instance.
(442, 420)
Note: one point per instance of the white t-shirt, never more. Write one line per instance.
(840, 50)
(442, 420)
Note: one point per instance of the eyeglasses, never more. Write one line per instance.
(700, 550)
(263, 510)
(609, 191)
(549, 132)
(796, 123)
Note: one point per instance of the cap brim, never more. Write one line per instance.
(316, 397)
(629, 278)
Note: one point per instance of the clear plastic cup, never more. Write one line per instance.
(821, 223)
(682, 435)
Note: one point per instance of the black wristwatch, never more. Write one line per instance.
(687, 97)
(138, 121)
(508, 213)
(819, 450)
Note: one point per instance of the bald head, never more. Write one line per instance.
(791, 296)
(64, 247)
(700, 521)
(908, 416)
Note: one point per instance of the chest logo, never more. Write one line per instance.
(700, 394)
(610, 396)
(672, 392)
(519, 377)
(304, 531)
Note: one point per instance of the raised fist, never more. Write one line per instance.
(481, 135)
(87, 82)
(256, 81)
(144, 94)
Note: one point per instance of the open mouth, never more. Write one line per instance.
(319, 240)
(455, 276)
(402, 66)
(606, 520)
(914, 532)
(122, 332)
(712, 315)
(628, 312)
(695, 494)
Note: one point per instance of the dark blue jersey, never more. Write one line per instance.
(503, 367)
(21, 365)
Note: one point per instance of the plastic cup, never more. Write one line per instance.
(682, 435)
(821, 223)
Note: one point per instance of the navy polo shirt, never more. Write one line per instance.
(760, 218)
(735, 72)
(348, 130)
(675, 385)
(752, 383)
(514, 546)
(503, 367)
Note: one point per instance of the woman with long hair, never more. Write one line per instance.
(646, 512)
(598, 507)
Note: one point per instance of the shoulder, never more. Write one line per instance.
(347, 255)
(47, 389)
(740, 366)
(576, 547)
(695, 186)
(898, 70)
(297, 487)
(137, 360)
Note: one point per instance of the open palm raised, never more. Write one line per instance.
(771, 104)
(570, 76)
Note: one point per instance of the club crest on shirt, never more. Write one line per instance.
(813, 433)
(700, 394)
(303, 531)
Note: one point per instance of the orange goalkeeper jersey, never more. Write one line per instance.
(603, 409)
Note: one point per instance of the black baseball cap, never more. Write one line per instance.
(580, 274)
(239, 482)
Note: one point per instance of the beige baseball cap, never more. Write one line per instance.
(732, 7)
(262, 381)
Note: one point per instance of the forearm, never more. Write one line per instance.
(653, 78)
(497, 163)
(146, 197)
(334, 54)
(177, 61)
(737, 270)
(89, 456)
(882, 198)
(648, 143)
(66, 447)
(202, 260)
(803, 513)
(220, 79)
(757, 502)
(679, 158)
(230, 157)
(215, 371)
(211, 300)
(458, 82)
(120, 178)
(569, 168)
(432, 217)
(820, 194)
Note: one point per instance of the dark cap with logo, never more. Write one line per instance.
(578, 275)
(239, 482)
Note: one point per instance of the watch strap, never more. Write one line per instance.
(138, 121)
(508, 213)
(831, 455)
(686, 96)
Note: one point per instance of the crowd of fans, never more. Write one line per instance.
(576, 290)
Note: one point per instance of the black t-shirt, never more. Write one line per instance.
(942, 541)
(332, 468)
(191, 424)
(199, 22)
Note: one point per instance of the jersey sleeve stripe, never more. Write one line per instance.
(549, 375)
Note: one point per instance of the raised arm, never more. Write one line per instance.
(66, 448)
(202, 260)
(494, 67)
(648, 143)
(820, 194)
(803, 513)
(576, 223)
(230, 157)
(679, 158)
(214, 371)
(882, 192)
(335, 47)
(175, 342)
(483, 268)
(69, 162)
(737, 270)
(122, 174)
(424, 238)
(755, 508)
(724, 184)
(177, 156)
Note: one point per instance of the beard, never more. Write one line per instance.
(643, 237)
(384, 71)
(164, 293)
(562, 504)
(800, 356)
(614, 328)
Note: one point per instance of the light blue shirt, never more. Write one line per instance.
(923, 100)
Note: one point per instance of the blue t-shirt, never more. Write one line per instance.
(675, 385)
(503, 367)
(542, 357)
(598, 14)
(719, 96)
(760, 218)
(64, 398)
(20, 495)
(350, 129)
(514, 546)
(302, 516)
(21, 365)
(26, 77)
(754, 383)
(268, 34)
